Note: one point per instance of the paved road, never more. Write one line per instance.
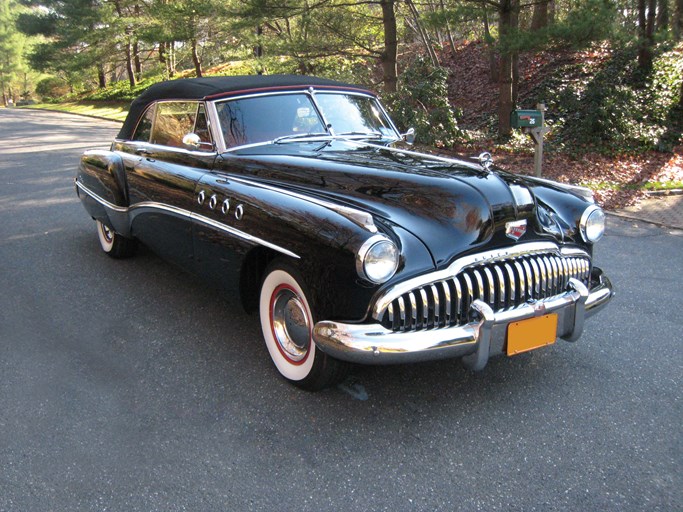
(129, 386)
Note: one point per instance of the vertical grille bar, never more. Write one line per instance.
(511, 285)
(501, 288)
(402, 312)
(437, 305)
(467, 297)
(425, 308)
(449, 308)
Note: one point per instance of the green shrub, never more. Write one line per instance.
(52, 88)
(121, 90)
(421, 102)
(618, 108)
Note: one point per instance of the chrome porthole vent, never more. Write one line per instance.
(239, 212)
(225, 207)
(201, 197)
(213, 201)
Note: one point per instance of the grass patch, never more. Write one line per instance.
(649, 186)
(116, 111)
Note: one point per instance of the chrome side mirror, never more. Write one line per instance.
(409, 136)
(192, 140)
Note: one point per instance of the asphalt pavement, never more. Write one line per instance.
(132, 386)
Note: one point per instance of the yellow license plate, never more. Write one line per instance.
(531, 334)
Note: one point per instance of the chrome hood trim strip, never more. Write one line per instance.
(150, 205)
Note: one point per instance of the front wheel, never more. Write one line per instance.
(113, 244)
(287, 324)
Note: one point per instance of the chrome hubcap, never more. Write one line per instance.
(291, 325)
(108, 233)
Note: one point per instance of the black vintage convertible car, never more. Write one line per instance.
(299, 194)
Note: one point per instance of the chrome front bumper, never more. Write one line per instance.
(474, 342)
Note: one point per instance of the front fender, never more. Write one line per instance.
(319, 239)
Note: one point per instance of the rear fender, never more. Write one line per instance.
(102, 187)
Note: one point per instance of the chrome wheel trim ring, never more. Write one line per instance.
(107, 233)
(290, 324)
(106, 236)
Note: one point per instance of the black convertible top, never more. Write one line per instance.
(216, 87)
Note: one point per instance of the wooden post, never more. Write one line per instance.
(537, 135)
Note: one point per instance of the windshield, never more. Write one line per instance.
(294, 117)
(265, 118)
(354, 115)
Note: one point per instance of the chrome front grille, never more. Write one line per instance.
(501, 283)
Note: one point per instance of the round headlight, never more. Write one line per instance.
(592, 224)
(377, 259)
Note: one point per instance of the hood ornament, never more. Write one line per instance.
(515, 229)
(485, 160)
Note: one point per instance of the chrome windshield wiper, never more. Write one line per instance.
(294, 136)
(369, 135)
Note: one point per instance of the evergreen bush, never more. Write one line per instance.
(421, 102)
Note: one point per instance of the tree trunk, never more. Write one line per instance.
(422, 33)
(136, 48)
(195, 58)
(662, 24)
(128, 46)
(451, 43)
(515, 79)
(644, 50)
(2, 86)
(493, 63)
(101, 76)
(258, 48)
(651, 18)
(170, 62)
(129, 62)
(515, 55)
(677, 22)
(551, 12)
(505, 66)
(390, 53)
(539, 19)
(136, 60)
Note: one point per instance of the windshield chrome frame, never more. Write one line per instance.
(217, 129)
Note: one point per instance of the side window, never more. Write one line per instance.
(173, 121)
(144, 128)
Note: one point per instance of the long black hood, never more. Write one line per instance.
(452, 206)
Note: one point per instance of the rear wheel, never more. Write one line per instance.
(287, 322)
(113, 244)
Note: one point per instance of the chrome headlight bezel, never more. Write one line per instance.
(592, 224)
(373, 250)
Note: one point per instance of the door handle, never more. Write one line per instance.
(143, 151)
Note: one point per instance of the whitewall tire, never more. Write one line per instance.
(114, 244)
(287, 322)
